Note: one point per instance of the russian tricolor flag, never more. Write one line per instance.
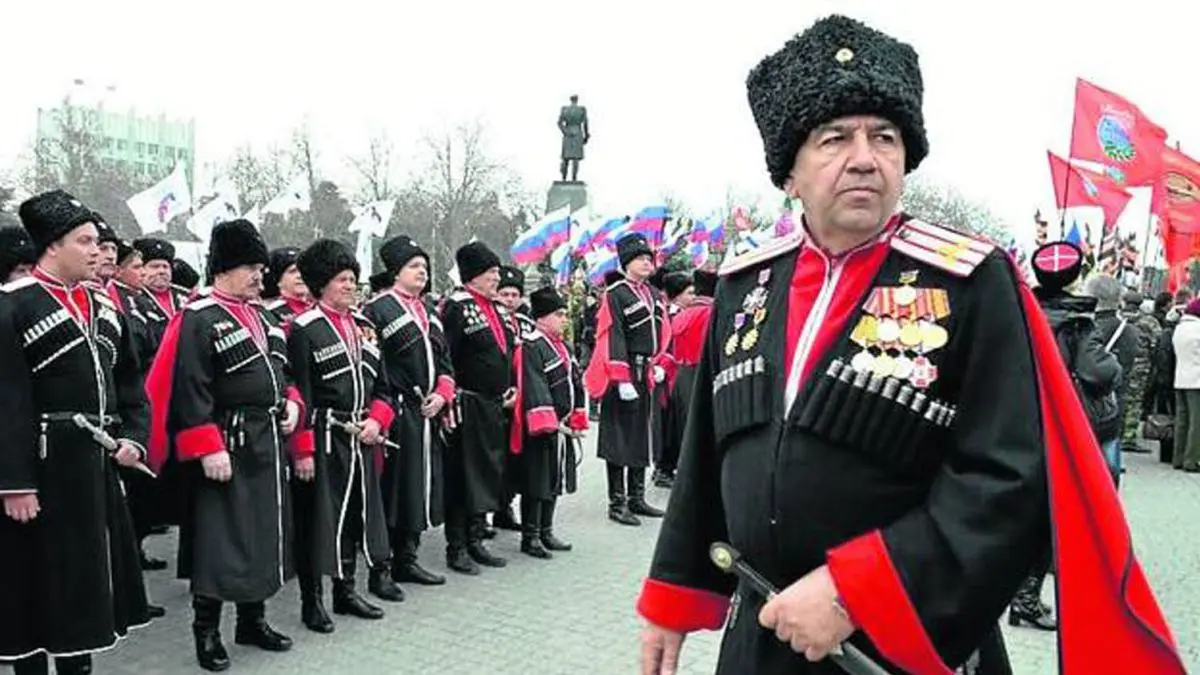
(546, 234)
(649, 222)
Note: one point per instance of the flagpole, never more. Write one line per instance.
(1062, 220)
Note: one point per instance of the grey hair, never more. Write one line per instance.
(1106, 290)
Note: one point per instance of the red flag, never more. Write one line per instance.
(1112, 131)
(1176, 198)
(1076, 186)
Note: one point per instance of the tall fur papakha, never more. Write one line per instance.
(837, 67)
(322, 261)
(49, 216)
(236, 243)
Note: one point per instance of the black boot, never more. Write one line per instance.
(618, 507)
(477, 550)
(1027, 607)
(406, 568)
(73, 665)
(312, 604)
(37, 664)
(637, 495)
(551, 542)
(531, 529)
(206, 627)
(381, 585)
(505, 519)
(457, 527)
(347, 601)
(663, 478)
(458, 560)
(253, 629)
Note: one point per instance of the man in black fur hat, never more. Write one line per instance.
(17, 255)
(510, 294)
(184, 277)
(629, 372)
(219, 387)
(549, 418)
(481, 345)
(284, 290)
(417, 359)
(70, 582)
(689, 326)
(337, 368)
(874, 413)
(160, 300)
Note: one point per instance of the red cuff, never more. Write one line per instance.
(197, 442)
(578, 420)
(445, 387)
(382, 413)
(302, 444)
(874, 595)
(293, 394)
(541, 421)
(680, 608)
(618, 371)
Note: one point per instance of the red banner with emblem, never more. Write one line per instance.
(1110, 130)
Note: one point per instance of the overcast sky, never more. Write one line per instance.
(663, 80)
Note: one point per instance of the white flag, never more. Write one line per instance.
(453, 273)
(295, 197)
(373, 218)
(154, 207)
(254, 216)
(222, 207)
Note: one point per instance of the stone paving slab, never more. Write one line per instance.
(574, 614)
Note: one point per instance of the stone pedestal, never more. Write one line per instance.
(572, 194)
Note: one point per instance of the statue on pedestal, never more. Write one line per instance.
(573, 123)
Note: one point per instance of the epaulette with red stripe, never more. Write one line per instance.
(939, 246)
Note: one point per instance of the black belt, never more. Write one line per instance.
(92, 418)
(351, 416)
(491, 398)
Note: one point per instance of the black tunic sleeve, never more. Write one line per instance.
(452, 328)
(192, 418)
(537, 404)
(961, 555)
(300, 366)
(18, 452)
(128, 372)
(685, 592)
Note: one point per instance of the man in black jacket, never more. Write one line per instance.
(1122, 339)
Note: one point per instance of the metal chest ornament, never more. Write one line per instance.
(754, 312)
(899, 328)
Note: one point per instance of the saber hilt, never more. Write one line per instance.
(353, 429)
(729, 560)
(105, 440)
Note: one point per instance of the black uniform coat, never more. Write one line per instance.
(417, 361)
(955, 502)
(632, 336)
(159, 312)
(341, 379)
(551, 393)
(70, 580)
(481, 346)
(223, 369)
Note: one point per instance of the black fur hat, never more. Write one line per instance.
(154, 249)
(837, 67)
(474, 259)
(16, 248)
(631, 246)
(183, 274)
(49, 216)
(322, 261)
(705, 283)
(511, 277)
(381, 281)
(124, 250)
(235, 243)
(278, 262)
(397, 251)
(545, 301)
(107, 234)
(1056, 265)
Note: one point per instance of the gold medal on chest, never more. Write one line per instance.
(883, 365)
(750, 339)
(731, 344)
(933, 336)
(889, 330)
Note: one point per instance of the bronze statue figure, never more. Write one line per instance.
(573, 123)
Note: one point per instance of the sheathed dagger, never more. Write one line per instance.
(105, 440)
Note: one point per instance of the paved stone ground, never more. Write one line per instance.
(574, 614)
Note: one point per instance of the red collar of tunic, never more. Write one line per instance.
(823, 295)
(297, 305)
(493, 319)
(166, 300)
(413, 305)
(244, 312)
(74, 297)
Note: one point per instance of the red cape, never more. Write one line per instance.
(158, 390)
(1109, 620)
(516, 433)
(599, 374)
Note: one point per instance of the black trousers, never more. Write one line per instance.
(39, 664)
(462, 528)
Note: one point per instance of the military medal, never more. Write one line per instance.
(755, 300)
(924, 373)
(750, 339)
(933, 336)
(903, 367)
(866, 332)
(883, 365)
(760, 315)
(905, 296)
(889, 330)
(910, 334)
(731, 344)
(862, 360)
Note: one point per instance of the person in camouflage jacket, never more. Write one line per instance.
(1138, 379)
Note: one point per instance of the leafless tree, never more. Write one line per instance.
(375, 169)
